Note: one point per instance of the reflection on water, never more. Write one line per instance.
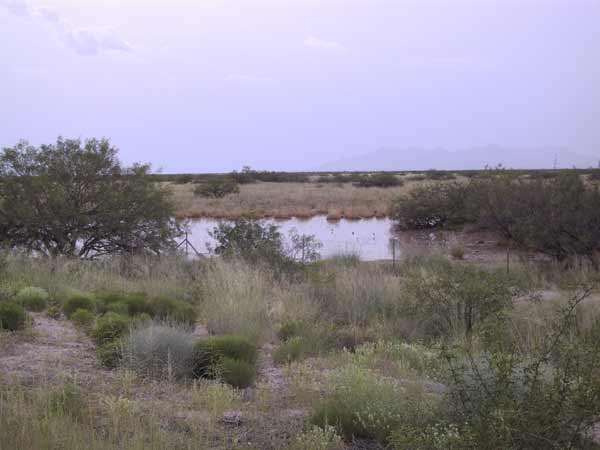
(370, 238)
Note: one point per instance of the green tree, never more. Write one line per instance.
(74, 198)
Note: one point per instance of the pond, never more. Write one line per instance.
(369, 238)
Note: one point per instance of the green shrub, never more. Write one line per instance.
(109, 327)
(237, 373)
(159, 351)
(171, 309)
(82, 318)
(384, 180)
(32, 298)
(110, 354)
(67, 401)
(217, 188)
(208, 353)
(290, 329)
(54, 312)
(365, 405)
(293, 349)
(76, 302)
(318, 439)
(12, 316)
(127, 304)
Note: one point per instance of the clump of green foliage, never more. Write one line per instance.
(383, 179)
(32, 298)
(76, 302)
(293, 349)
(548, 397)
(77, 187)
(110, 354)
(12, 316)
(365, 405)
(450, 300)
(172, 309)
(217, 188)
(231, 357)
(237, 373)
(82, 318)
(54, 312)
(67, 400)
(108, 328)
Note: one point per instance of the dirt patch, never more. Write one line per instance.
(56, 350)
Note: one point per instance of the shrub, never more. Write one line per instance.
(54, 312)
(547, 398)
(384, 180)
(457, 250)
(110, 354)
(128, 304)
(12, 316)
(209, 353)
(171, 309)
(237, 373)
(214, 397)
(32, 298)
(159, 351)
(364, 405)
(291, 350)
(67, 401)
(217, 188)
(109, 327)
(82, 318)
(318, 439)
(450, 300)
(76, 302)
(290, 329)
(433, 206)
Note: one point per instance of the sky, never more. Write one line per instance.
(213, 85)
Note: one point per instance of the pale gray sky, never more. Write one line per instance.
(212, 85)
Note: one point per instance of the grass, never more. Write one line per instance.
(348, 353)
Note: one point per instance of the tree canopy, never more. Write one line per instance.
(74, 198)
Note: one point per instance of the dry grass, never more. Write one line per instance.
(285, 200)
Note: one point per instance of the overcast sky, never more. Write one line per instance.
(211, 85)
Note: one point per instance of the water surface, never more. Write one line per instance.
(370, 238)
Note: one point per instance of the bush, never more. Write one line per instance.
(451, 300)
(67, 401)
(159, 351)
(237, 373)
(12, 316)
(290, 329)
(318, 439)
(292, 350)
(82, 318)
(109, 327)
(384, 180)
(217, 188)
(366, 406)
(127, 304)
(547, 398)
(171, 309)
(209, 353)
(76, 302)
(32, 298)
(433, 206)
(53, 312)
(110, 354)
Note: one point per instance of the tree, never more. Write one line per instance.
(75, 199)
(217, 188)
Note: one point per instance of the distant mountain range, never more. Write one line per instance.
(415, 158)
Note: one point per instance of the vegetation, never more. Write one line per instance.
(108, 328)
(12, 316)
(217, 188)
(32, 298)
(77, 302)
(82, 318)
(76, 199)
